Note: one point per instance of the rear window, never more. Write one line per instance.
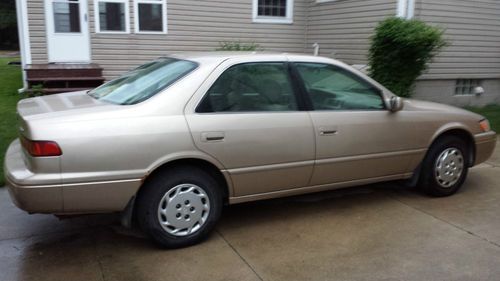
(143, 82)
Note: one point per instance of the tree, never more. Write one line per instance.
(8, 25)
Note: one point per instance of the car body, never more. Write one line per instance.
(261, 146)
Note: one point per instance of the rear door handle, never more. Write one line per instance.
(212, 136)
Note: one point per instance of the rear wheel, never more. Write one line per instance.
(179, 207)
(445, 167)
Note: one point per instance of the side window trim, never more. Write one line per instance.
(303, 99)
(288, 71)
(307, 96)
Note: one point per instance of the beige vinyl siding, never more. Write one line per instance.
(473, 32)
(37, 35)
(342, 28)
(195, 25)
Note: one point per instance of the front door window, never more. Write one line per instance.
(333, 88)
(66, 16)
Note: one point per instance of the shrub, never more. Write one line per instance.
(35, 91)
(400, 52)
(237, 46)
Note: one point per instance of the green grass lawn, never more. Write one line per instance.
(10, 82)
(492, 112)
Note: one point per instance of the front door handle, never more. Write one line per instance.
(328, 131)
(212, 136)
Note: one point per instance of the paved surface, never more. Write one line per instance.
(8, 54)
(377, 232)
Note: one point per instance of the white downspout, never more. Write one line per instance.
(402, 8)
(410, 13)
(406, 9)
(316, 49)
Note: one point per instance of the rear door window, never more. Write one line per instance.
(251, 87)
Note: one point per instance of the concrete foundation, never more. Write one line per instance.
(443, 91)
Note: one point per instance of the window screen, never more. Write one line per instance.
(112, 16)
(150, 15)
(272, 8)
(466, 86)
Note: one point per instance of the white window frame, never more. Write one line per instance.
(466, 84)
(164, 16)
(288, 19)
(98, 20)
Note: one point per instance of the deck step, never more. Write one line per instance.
(63, 70)
(59, 78)
(56, 90)
(46, 79)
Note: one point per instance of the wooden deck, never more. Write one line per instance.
(58, 78)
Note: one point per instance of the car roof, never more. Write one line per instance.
(220, 56)
(214, 58)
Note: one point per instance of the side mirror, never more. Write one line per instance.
(396, 104)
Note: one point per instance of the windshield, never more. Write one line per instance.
(143, 82)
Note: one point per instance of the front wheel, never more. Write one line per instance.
(445, 167)
(179, 207)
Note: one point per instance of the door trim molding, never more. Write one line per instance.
(318, 162)
(315, 188)
(369, 156)
(279, 166)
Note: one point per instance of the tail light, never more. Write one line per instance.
(41, 148)
(484, 125)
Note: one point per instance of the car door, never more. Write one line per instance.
(357, 138)
(249, 120)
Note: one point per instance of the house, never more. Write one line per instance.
(73, 44)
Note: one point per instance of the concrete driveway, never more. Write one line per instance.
(376, 232)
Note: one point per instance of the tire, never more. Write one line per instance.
(445, 167)
(179, 207)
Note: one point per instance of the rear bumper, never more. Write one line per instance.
(36, 199)
(485, 145)
(26, 195)
(31, 193)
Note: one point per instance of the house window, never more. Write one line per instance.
(112, 16)
(150, 16)
(273, 11)
(466, 86)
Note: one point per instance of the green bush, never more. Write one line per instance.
(35, 91)
(237, 46)
(400, 51)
